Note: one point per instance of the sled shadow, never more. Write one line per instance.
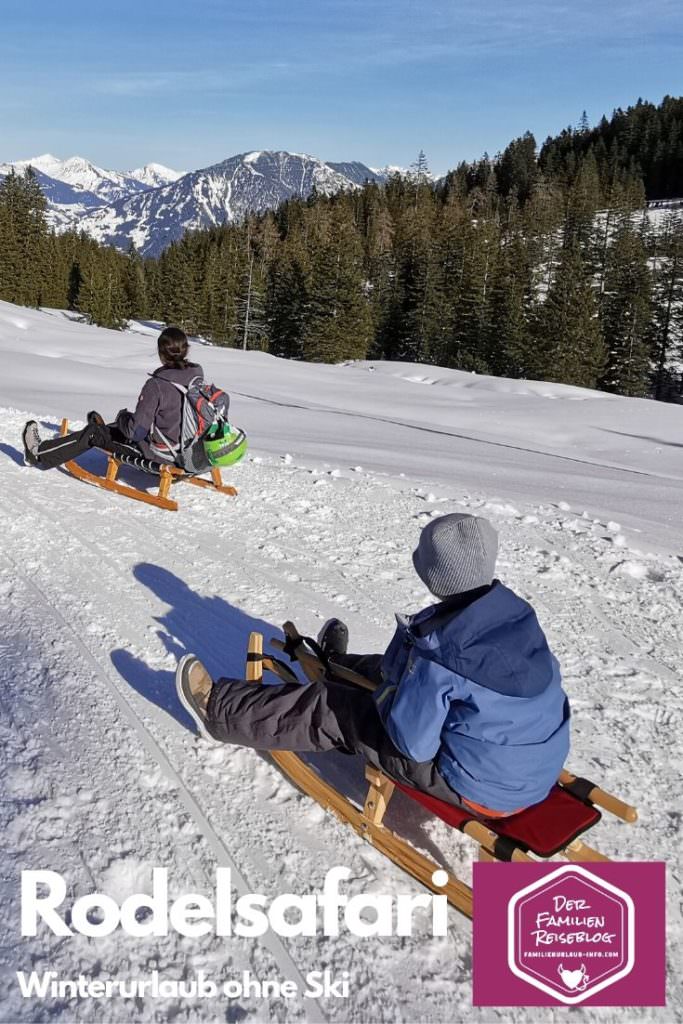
(12, 453)
(218, 633)
(346, 773)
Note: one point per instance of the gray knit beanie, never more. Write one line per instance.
(456, 553)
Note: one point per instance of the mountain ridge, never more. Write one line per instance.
(153, 205)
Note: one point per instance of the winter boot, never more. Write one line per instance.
(31, 438)
(194, 684)
(333, 638)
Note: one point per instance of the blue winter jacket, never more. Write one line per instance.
(476, 689)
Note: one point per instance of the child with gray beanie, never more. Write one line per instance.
(469, 704)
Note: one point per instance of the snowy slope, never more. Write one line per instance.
(618, 458)
(102, 775)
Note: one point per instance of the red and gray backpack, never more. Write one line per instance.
(203, 407)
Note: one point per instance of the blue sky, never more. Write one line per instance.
(190, 83)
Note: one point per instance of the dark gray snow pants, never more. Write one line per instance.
(318, 717)
(55, 451)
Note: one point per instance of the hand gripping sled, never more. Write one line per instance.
(551, 828)
(167, 474)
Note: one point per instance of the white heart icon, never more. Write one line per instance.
(572, 979)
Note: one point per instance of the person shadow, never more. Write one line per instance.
(217, 632)
(209, 627)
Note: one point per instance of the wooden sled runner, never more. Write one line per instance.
(167, 474)
(549, 829)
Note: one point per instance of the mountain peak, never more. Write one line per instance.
(154, 174)
(44, 158)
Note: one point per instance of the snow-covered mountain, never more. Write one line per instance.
(154, 205)
(357, 172)
(155, 175)
(108, 186)
(246, 183)
(58, 193)
(382, 173)
(65, 203)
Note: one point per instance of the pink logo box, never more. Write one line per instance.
(548, 934)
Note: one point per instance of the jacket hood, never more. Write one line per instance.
(496, 641)
(176, 374)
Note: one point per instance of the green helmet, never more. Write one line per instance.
(225, 445)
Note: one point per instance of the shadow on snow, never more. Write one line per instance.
(217, 632)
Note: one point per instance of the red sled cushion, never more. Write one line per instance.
(544, 828)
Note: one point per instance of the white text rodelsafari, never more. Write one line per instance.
(44, 899)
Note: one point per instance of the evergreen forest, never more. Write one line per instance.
(560, 262)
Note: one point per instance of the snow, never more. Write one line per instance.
(103, 777)
(155, 175)
(76, 171)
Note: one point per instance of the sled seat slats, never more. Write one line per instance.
(545, 829)
(140, 462)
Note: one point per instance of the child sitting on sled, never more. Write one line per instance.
(469, 705)
(148, 433)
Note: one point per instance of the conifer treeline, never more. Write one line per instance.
(576, 284)
(65, 271)
(542, 266)
(643, 142)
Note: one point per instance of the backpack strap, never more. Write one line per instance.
(174, 449)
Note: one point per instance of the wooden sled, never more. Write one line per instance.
(552, 828)
(168, 475)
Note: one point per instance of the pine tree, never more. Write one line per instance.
(338, 321)
(667, 321)
(250, 302)
(468, 348)
(10, 246)
(24, 237)
(626, 315)
(288, 302)
(102, 298)
(412, 320)
(583, 202)
(506, 334)
(517, 170)
(569, 345)
(419, 169)
(134, 285)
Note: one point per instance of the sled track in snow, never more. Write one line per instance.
(222, 855)
(80, 544)
(450, 433)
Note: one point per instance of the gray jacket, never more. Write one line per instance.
(158, 409)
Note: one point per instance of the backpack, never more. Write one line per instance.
(203, 407)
